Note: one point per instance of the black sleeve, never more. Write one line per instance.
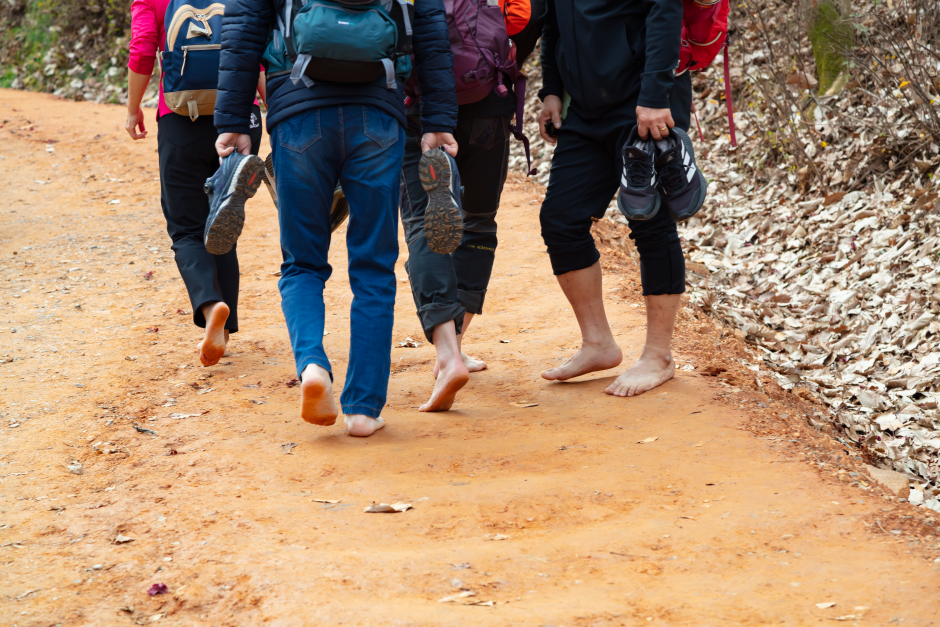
(435, 68)
(663, 30)
(551, 78)
(245, 29)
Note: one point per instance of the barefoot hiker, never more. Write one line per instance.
(186, 148)
(616, 60)
(452, 244)
(334, 118)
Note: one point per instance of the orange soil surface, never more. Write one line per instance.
(553, 514)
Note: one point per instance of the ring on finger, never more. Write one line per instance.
(665, 128)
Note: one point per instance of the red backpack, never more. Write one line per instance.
(704, 36)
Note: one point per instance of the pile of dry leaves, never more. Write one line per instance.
(821, 234)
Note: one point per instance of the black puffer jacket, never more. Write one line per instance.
(611, 53)
(246, 28)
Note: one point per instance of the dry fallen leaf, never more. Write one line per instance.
(287, 447)
(524, 404)
(385, 508)
(456, 597)
(495, 537)
(826, 605)
(330, 501)
(119, 539)
(648, 440)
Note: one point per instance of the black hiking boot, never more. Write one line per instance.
(339, 211)
(682, 182)
(638, 198)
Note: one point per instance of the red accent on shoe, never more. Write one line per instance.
(252, 179)
(433, 174)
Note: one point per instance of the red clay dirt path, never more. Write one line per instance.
(550, 515)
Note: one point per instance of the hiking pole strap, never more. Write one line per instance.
(728, 103)
(519, 85)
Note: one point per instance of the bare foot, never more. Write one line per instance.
(449, 381)
(212, 347)
(589, 358)
(649, 372)
(316, 396)
(472, 365)
(362, 426)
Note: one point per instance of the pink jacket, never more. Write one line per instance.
(147, 37)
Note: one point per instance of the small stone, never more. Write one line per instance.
(75, 468)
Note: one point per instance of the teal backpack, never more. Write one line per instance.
(342, 41)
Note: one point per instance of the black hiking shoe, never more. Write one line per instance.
(443, 219)
(339, 210)
(236, 180)
(268, 174)
(682, 182)
(638, 198)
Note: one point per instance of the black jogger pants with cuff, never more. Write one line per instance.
(447, 286)
(586, 169)
(188, 157)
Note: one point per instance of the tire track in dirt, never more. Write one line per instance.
(563, 517)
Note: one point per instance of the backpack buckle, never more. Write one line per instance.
(389, 74)
(298, 72)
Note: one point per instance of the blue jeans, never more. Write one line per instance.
(362, 148)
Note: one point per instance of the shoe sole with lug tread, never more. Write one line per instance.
(227, 225)
(443, 220)
(268, 174)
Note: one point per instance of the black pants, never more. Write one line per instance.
(187, 158)
(447, 286)
(585, 176)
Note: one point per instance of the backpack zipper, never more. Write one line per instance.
(709, 43)
(186, 49)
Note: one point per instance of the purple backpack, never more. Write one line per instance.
(482, 49)
(483, 53)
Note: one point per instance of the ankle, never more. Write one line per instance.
(600, 343)
(663, 356)
(314, 371)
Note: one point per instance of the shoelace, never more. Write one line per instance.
(638, 171)
(674, 175)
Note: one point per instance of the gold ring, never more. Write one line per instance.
(665, 128)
